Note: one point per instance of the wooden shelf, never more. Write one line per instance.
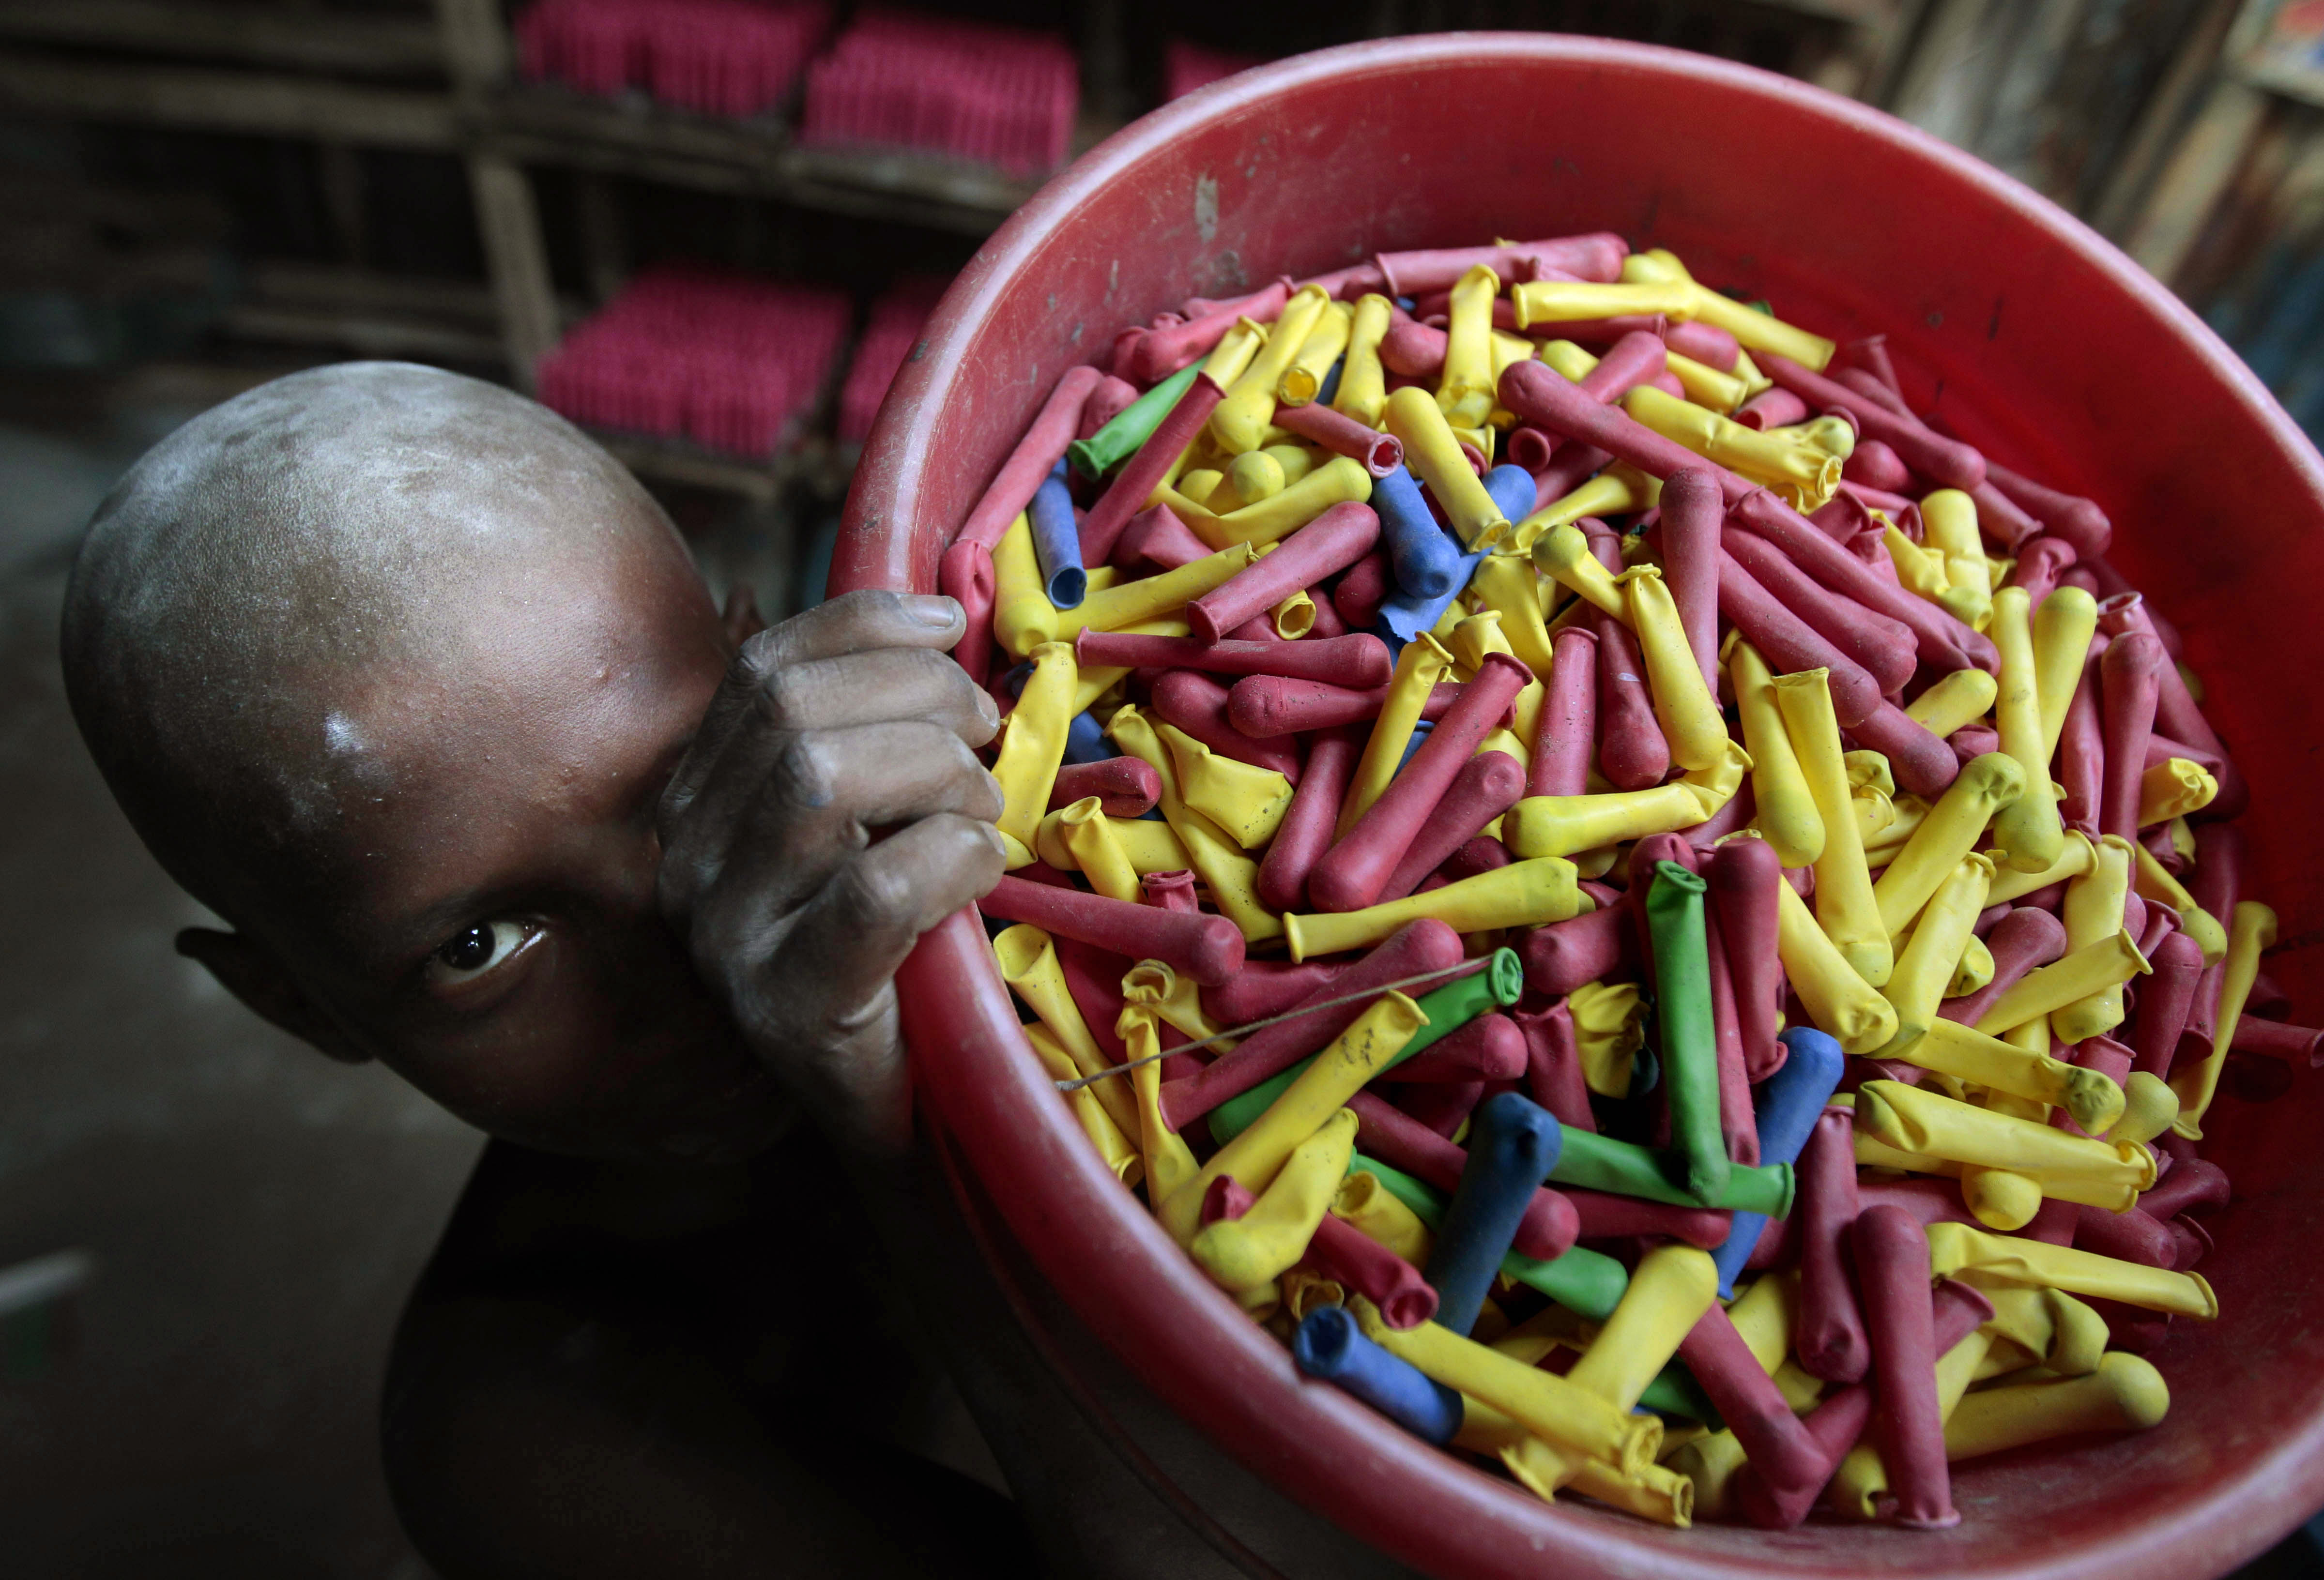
(531, 126)
(495, 129)
(265, 103)
(2286, 78)
(288, 283)
(361, 45)
(631, 136)
(813, 463)
(363, 334)
(1875, 13)
(367, 314)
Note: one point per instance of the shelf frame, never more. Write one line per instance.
(631, 136)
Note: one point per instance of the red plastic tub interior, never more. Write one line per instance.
(2031, 336)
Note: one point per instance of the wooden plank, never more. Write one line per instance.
(634, 123)
(553, 126)
(837, 195)
(474, 42)
(813, 463)
(198, 385)
(257, 103)
(758, 481)
(364, 335)
(934, 182)
(508, 221)
(362, 290)
(1857, 56)
(1104, 64)
(339, 173)
(2172, 219)
(2289, 78)
(257, 35)
(2160, 117)
(1945, 86)
(604, 235)
(1868, 13)
(368, 313)
(1888, 50)
(2244, 250)
(2032, 107)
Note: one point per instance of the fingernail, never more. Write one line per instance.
(933, 611)
(988, 710)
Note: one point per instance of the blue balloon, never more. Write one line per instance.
(1404, 616)
(1058, 541)
(1425, 560)
(1512, 490)
(1421, 555)
(1328, 1345)
(1086, 741)
(1786, 1110)
(1513, 1144)
(1420, 733)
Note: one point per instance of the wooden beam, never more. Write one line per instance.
(813, 463)
(509, 220)
(1946, 84)
(759, 482)
(367, 313)
(538, 125)
(1890, 50)
(1849, 13)
(363, 334)
(2160, 116)
(2200, 168)
(476, 43)
(257, 35)
(981, 198)
(604, 235)
(280, 282)
(256, 103)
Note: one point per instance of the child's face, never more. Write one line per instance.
(483, 920)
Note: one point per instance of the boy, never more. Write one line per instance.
(416, 688)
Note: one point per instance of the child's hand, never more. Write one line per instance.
(848, 721)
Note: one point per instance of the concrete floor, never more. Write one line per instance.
(258, 1214)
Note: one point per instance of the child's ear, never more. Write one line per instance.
(742, 619)
(252, 974)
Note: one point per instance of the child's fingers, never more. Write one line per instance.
(728, 706)
(788, 678)
(828, 787)
(874, 774)
(857, 622)
(833, 694)
(827, 1000)
(845, 944)
(790, 825)
(865, 688)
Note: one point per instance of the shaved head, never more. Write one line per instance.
(269, 563)
(389, 668)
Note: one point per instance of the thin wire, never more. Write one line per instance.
(1464, 968)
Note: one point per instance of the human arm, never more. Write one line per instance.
(831, 809)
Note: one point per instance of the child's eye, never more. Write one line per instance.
(471, 953)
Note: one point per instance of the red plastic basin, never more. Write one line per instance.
(2031, 335)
